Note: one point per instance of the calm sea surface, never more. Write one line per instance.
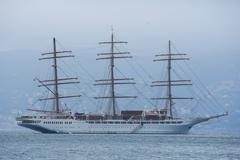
(23, 146)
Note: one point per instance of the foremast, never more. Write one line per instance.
(169, 83)
(56, 81)
(113, 81)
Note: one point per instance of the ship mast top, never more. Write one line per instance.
(169, 83)
(56, 81)
(113, 81)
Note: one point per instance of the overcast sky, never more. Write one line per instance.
(205, 25)
(204, 29)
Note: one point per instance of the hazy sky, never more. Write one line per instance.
(205, 25)
(207, 30)
(204, 29)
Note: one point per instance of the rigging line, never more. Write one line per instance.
(201, 98)
(64, 72)
(202, 91)
(146, 84)
(184, 103)
(188, 103)
(43, 95)
(208, 91)
(32, 104)
(144, 70)
(195, 94)
(193, 109)
(140, 66)
(125, 77)
(88, 97)
(107, 75)
(80, 66)
(144, 81)
(60, 45)
(89, 86)
(46, 75)
(200, 81)
(83, 68)
(163, 76)
(107, 72)
(137, 89)
(46, 102)
(89, 75)
(139, 76)
(74, 72)
(105, 90)
(188, 88)
(161, 92)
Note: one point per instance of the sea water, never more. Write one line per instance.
(37, 146)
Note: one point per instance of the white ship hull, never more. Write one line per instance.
(62, 120)
(70, 126)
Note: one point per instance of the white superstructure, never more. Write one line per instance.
(73, 126)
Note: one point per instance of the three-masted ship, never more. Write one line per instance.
(158, 121)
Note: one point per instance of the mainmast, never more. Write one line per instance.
(170, 102)
(112, 78)
(56, 81)
(55, 76)
(169, 57)
(114, 81)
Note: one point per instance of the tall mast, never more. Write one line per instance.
(56, 104)
(112, 77)
(114, 81)
(169, 79)
(169, 57)
(56, 81)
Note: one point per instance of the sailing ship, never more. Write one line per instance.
(158, 121)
